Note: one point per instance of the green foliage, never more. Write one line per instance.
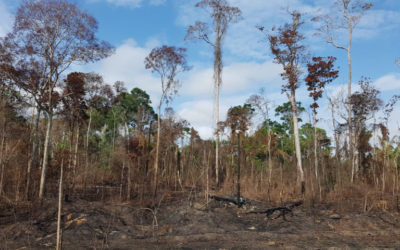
(307, 138)
(284, 112)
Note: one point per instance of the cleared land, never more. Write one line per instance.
(185, 224)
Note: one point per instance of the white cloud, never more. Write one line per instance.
(243, 40)
(375, 22)
(127, 65)
(388, 82)
(246, 65)
(6, 19)
(132, 3)
(237, 77)
(201, 112)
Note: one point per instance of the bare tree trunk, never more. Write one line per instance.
(127, 134)
(2, 156)
(332, 104)
(157, 149)
(384, 166)
(397, 172)
(269, 156)
(46, 154)
(351, 137)
(205, 163)
(121, 179)
(281, 189)
(75, 162)
(17, 188)
(128, 192)
(297, 142)
(374, 149)
(87, 151)
(316, 157)
(60, 194)
(238, 173)
(207, 176)
(217, 83)
(33, 153)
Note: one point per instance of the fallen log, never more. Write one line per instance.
(283, 210)
(242, 200)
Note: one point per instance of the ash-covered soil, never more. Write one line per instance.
(184, 224)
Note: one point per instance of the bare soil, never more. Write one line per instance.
(186, 224)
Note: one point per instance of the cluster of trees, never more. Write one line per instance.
(107, 141)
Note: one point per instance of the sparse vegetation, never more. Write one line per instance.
(73, 141)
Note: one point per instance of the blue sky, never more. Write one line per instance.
(134, 27)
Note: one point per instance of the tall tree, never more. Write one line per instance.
(320, 73)
(74, 109)
(167, 62)
(135, 113)
(55, 34)
(222, 15)
(94, 88)
(346, 14)
(288, 51)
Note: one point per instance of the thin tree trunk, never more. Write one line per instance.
(384, 166)
(351, 137)
(87, 151)
(217, 83)
(127, 134)
(33, 153)
(121, 179)
(60, 194)
(238, 173)
(205, 174)
(269, 157)
(46, 154)
(297, 142)
(157, 149)
(17, 188)
(282, 190)
(316, 157)
(2, 156)
(75, 162)
(128, 192)
(148, 149)
(217, 135)
(208, 175)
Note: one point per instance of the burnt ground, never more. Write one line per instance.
(184, 224)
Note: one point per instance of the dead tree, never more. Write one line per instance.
(55, 34)
(320, 73)
(346, 15)
(222, 15)
(167, 62)
(288, 51)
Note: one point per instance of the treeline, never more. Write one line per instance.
(111, 144)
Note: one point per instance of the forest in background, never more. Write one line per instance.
(108, 143)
